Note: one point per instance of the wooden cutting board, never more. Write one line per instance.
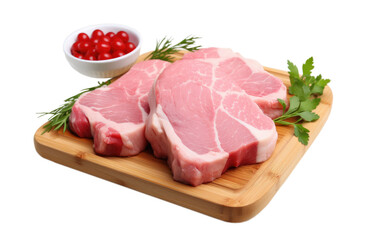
(237, 196)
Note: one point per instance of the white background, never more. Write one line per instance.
(327, 196)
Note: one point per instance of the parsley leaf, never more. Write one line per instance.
(282, 102)
(308, 116)
(301, 133)
(301, 90)
(308, 66)
(318, 86)
(294, 104)
(293, 75)
(309, 104)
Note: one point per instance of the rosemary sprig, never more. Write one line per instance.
(60, 115)
(163, 51)
(164, 48)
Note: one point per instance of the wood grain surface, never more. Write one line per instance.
(237, 196)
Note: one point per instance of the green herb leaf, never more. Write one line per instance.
(293, 75)
(294, 104)
(284, 105)
(301, 133)
(308, 66)
(164, 48)
(293, 70)
(308, 116)
(300, 89)
(318, 86)
(309, 104)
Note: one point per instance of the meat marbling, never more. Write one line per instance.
(115, 115)
(263, 88)
(204, 121)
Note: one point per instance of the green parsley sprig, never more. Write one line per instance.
(306, 90)
(164, 48)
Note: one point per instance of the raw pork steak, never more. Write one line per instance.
(263, 88)
(115, 115)
(204, 122)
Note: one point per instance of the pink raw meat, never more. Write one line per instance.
(204, 122)
(263, 88)
(115, 115)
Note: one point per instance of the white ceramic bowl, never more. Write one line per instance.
(103, 68)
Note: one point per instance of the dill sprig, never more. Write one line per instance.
(164, 48)
(59, 116)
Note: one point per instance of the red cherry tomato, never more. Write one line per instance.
(83, 37)
(110, 34)
(84, 46)
(74, 47)
(104, 56)
(103, 47)
(90, 57)
(117, 44)
(97, 33)
(129, 46)
(118, 53)
(94, 41)
(123, 36)
(105, 39)
(92, 51)
(78, 55)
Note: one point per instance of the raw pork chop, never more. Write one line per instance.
(204, 122)
(115, 115)
(263, 88)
